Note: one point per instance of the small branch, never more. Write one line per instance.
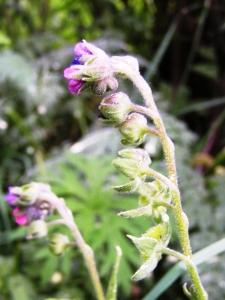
(160, 177)
(86, 251)
(152, 131)
(164, 203)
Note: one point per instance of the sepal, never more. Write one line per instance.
(129, 187)
(146, 268)
(138, 212)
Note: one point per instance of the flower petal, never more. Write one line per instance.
(68, 72)
(10, 197)
(74, 86)
(80, 49)
(20, 219)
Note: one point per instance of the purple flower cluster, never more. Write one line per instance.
(90, 68)
(24, 214)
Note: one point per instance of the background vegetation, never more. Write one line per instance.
(52, 136)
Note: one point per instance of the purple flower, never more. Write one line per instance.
(24, 215)
(25, 212)
(91, 64)
(11, 197)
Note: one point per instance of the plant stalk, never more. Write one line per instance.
(86, 251)
(168, 148)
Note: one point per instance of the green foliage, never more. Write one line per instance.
(85, 184)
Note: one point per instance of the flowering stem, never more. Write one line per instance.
(168, 149)
(86, 251)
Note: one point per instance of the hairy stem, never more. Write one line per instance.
(86, 251)
(168, 149)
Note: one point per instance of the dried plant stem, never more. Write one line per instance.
(86, 251)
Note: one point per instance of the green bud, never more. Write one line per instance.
(128, 167)
(132, 163)
(158, 195)
(115, 108)
(159, 212)
(37, 229)
(161, 232)
(137, 154)
(133, 129)
(58, 243)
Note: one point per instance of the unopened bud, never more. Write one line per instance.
(37, 229)
(115, 108)
(58, 243)
(133, 129)
(104, 85)
(132, 163)
(137, 154)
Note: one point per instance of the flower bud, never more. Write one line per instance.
(104, 85)
(115, 108)
(137, 154)
(58, 243)
(128, 167)
(132, 163)
(133, 129)
(37, 229)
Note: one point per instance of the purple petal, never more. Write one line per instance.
(75, 85)
(68, 72)
(76, 61)
(80, 49)
(10, 197)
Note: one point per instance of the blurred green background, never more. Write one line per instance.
(49, 135)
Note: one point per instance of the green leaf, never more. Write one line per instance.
(4, 39)
(20, 288)
(112, 288)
